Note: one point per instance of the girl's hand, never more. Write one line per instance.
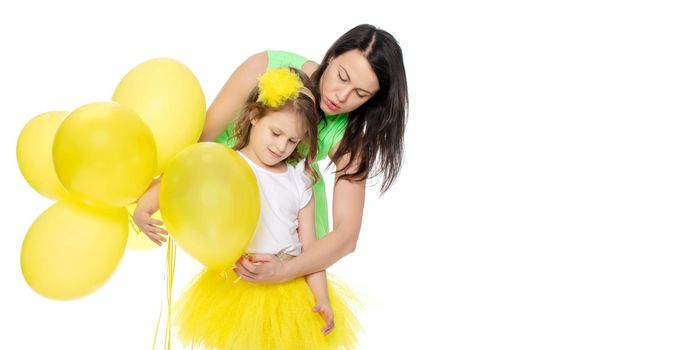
(148, 225)
(261, 268)
(325, 311)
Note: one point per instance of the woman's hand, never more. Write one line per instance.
(261, 268)
(326, 312)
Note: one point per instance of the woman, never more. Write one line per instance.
(364, 97)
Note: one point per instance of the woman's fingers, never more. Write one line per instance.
(249, 266)
(262, 257)
(244, 274)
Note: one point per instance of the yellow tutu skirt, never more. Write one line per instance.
(215, 313)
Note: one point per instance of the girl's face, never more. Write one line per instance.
(347, 83)
(274, 137)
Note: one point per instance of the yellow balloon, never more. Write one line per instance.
(138, 240)
(72, 249)
(104, 154)
(34, 154)
(168, 97)
(210, 201)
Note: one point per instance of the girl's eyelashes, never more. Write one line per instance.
(277, 133)
(344, 80)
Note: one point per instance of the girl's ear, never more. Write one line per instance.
(253, 116)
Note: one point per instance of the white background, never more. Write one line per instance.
(538, 203)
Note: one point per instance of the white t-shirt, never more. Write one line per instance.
(282, 196)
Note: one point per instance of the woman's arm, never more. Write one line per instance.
(348, 206)
(233, 96)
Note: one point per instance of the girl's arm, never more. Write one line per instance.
(233, 96)
(317, 281)
(307, 233)
(147, 205)
(348, 206)
(318, 284)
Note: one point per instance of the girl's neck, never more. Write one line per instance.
(279, 167)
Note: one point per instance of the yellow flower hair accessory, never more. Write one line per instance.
(278, 86)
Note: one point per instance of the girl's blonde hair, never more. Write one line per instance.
(302, 103)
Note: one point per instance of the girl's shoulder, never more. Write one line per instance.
(301, 176)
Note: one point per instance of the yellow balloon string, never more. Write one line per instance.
(169, 276)
(158, 324)
(225, 275)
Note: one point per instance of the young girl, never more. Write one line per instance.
(276, 135)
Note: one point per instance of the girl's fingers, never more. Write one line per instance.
(156, 222)
(160, 238)
(157, 230)
(155, 238)
(329, 328)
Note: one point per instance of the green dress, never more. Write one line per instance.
(330, 134)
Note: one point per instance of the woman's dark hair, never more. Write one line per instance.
(375, 133)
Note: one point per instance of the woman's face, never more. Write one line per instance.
(347, 83)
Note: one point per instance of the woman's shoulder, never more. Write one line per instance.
(281, 58)
(259, 60)
(253, 66)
